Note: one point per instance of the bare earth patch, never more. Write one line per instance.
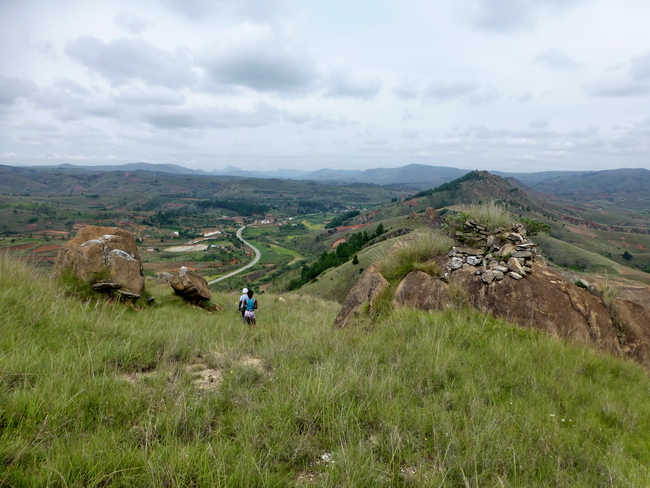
(22, 247)
(203, 377)
(46, 248)
(189, 248)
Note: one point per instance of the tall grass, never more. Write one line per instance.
(412, 253)
(424, 399)
(491, 214)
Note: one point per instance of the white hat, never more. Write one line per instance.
(245, 290)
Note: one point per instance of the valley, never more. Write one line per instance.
(422, 380)
(191, 220)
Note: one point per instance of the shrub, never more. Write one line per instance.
(533, 227)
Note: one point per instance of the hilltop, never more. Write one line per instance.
(95, 393)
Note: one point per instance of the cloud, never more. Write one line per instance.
(136, 97)
(407, 89)
(484, 96)
(197, 10)
(539, 124)
(640, 67)
(341, 83)
(556, 59)
(132, 23)
(192, 9)
(221, 117)
(13, 89)
(617, 89)
(261, 58)
(638, 83)
(125, 60)
(265, 70)
(321, 122)
(448, 90)
(410, 134)
(503, 16)
(70, 86)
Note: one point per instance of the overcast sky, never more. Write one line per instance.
(510, 85)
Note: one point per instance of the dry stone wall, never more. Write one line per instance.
(495, 254)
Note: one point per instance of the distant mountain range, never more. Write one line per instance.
(419, 176)
(630, 187)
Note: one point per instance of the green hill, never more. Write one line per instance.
(94, 393)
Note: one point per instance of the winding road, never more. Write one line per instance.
(257, 252)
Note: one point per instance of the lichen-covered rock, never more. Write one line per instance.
(515, 265)
(371, 284)
(106, 257)
(191, 286)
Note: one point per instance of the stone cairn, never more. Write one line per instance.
(495, 254)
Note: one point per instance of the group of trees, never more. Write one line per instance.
(451, 185)
(243, 208)
(338, 256)
(341, 219)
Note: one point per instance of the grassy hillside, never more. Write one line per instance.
(628, 188)
(98, 394)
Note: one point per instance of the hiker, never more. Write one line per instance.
(251, 306)
(242, 303)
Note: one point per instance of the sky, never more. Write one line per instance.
(507, 85)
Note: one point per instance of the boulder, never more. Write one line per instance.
(423, 291)
(633, 319)
(164, 278)
(515, 265)
(191, 286)
(371, 284)
(488, 277)
(106, 257)
(547, 301)
(455, 263)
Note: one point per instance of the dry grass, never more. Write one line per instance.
(413, 252)
(492, 215)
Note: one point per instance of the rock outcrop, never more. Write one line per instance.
(423, 291)
(107, 258)
(499, 274)
(371, 285)
(191, 286)
(634, 322)
(547, 301)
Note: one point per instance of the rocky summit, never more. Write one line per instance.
(500, 272)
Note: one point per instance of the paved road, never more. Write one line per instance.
(258, 254)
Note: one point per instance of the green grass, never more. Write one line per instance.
(424, 399)
(312, 226)
(296, 256)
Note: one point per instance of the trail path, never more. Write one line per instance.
(257, 252)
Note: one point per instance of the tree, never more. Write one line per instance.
(627, 256)
(355, 260)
